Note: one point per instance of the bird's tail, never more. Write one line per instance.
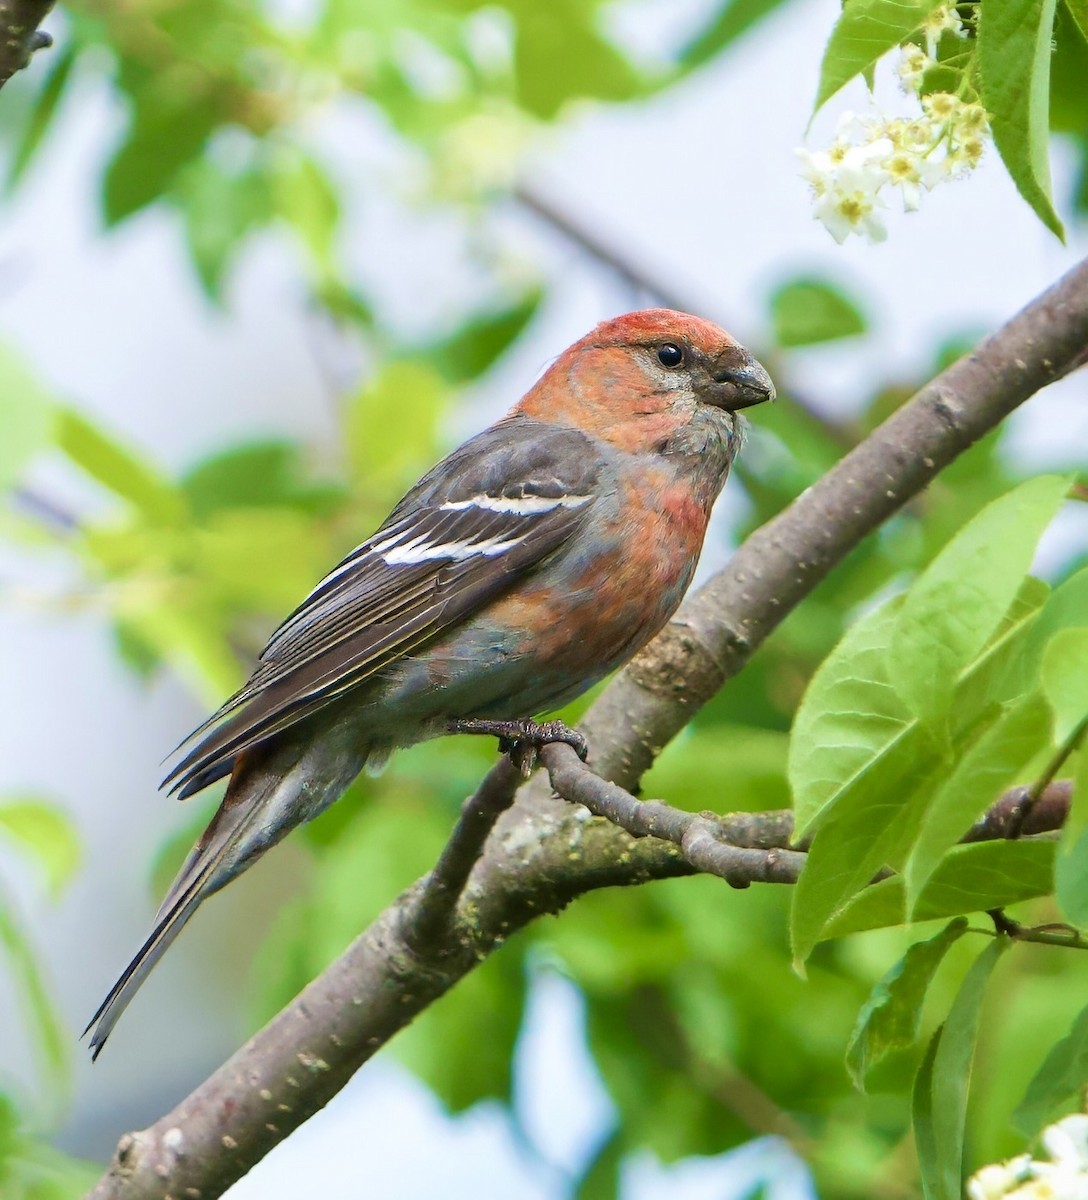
(205, 871)
(271, 790)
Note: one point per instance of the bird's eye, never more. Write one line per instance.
(670, 355)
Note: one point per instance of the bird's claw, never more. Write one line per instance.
(524, 739)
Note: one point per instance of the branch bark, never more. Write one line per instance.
(544, 852)
(20, 35)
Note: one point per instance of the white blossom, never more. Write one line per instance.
(944, 18)
(1063, 1177)
(875, 154)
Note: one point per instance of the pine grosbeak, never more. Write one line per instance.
(522, 569)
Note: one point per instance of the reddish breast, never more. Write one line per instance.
(622, 597)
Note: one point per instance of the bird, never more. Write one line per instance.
(529, 564)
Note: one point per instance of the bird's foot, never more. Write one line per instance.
(523, 739)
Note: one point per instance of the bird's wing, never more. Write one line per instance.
(472, 527)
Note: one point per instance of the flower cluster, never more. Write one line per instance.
(871, 156)
(1063, 1177)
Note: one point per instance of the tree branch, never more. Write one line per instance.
(698, 836)
(20, 35)
(544, 852)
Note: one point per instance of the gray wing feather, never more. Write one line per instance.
(428, 567)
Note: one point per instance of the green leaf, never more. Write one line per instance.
(41, 117)
(1065, 608)
(1014, 47)
(469, 352)
(169, 129)
(564, 32)
(849, 717)
(1065, 679)
(971, 878)
(925, 1135)
(33, 996)
(118, 469)
(601, 1178)
(392, 427)
(47, 833)
(1071, 863)
(26, 416)
(185, 638)
(221, 208)
(806, 311)
(1061, 1076)
(234, 554)
(871, 827)
(308, 200)
(892, 1016)
(1078, 10)
(942, 1085)
(256, 475)
(865, 31)
(733, 18)
(31, 1169)
(960, 600)
(1005, 746)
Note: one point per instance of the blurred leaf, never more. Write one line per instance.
(1078, 10)
(1062, 1075)
(971, 878)
(1014, 46)
(469, 352)
(306, 197)
(254, 475)
(564, 32)
(32, 1170)
(193, 644)
(808, 310)
(1068, 67)
(263, 559)
(940, 1099)
(392, 428)
(221, 208)
(724, 768)
(1066, 608)
(117, 469)
(41, 117)
(601, 1178)
(732, 19)
(892, 1016)
(33, 996)
(47, 833)
(925, 1132)
(1065, 679)
(26, 416)
(1071, 863)
(866, 30)
(170, 124)
(959, 601)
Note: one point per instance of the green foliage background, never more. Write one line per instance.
(970, 680)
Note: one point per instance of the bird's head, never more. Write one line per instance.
(639, 379)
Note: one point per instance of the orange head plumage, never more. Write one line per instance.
(636, 379)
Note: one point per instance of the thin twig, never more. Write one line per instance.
(428, 924)
(697, 836)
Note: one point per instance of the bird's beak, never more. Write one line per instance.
(739, 381)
